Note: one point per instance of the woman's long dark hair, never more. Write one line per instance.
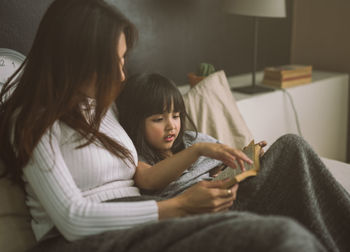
(145, 95)
(76, 43)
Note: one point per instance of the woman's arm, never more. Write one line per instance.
(73, 215)
(161, 174)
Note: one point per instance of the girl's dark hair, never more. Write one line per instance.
(145, 95)
(76, 43)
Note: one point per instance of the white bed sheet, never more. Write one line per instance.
(340, 170)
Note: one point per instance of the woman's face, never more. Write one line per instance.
(121, 50)
(90, 90)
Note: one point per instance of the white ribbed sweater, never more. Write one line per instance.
(66, 187)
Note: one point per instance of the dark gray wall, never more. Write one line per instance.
(174, 35)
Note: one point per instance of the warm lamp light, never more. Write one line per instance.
(256, 9)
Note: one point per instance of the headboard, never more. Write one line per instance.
(174, 36)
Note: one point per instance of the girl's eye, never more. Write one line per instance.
(157, 119)
(177, 115)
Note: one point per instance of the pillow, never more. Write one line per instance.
(213, 109)
(16, 233)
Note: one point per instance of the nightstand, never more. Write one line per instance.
(322, 108)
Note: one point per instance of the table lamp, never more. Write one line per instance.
(256, 9)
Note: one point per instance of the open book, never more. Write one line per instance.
(237, 175)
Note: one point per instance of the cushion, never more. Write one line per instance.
(213, 109)
(16, 234)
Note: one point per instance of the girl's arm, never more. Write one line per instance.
(158, 176)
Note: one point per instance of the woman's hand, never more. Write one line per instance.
(223, 153)
(203, 197)
(262, 145)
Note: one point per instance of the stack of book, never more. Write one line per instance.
(287, 76)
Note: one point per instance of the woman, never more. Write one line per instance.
(76, 162)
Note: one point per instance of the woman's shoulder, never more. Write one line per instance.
(192, 137)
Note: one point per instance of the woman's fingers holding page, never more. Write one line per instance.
(262, 145)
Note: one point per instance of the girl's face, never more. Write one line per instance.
(161, 130)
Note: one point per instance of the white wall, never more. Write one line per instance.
(321, 36)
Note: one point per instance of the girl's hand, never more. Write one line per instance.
(206, 197)
(223, 153)
(262, 145)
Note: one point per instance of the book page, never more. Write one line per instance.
(237, 175)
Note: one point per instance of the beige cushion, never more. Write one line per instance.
(16, 234)
(212, 107)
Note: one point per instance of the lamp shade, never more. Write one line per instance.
(257, 8)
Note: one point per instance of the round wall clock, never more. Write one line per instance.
(10, 61)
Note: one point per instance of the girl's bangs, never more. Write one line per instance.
(175, 101)
(163, 100)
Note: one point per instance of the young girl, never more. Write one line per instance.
(155, 121)
(293, 181)
(60, 139)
